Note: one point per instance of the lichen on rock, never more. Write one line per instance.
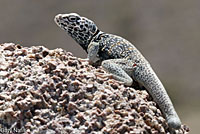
(51, 91)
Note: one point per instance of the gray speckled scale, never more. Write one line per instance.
(120, 58)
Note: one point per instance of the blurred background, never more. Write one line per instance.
(166, 32)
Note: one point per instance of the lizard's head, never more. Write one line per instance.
(81, 29)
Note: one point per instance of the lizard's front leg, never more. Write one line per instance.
(121, 69)
(93, 49)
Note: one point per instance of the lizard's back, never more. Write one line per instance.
(116, 47)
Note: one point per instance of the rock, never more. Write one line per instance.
(51, 91)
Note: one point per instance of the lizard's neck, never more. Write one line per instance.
(94, 38)
(87, 42)
(97, 36)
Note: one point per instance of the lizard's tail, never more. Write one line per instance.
(174, 122)
(146, 76)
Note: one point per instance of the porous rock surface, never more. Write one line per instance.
(53, 92)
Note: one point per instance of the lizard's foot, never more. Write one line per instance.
(95, 64)
(103, 75)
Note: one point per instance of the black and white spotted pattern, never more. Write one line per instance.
(79, 28)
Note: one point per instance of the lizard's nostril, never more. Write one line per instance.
(56, 20)
(59, 16)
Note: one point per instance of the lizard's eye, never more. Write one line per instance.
(72, 18)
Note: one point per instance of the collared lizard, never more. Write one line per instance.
(120, 58)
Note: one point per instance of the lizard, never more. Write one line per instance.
(120, 58)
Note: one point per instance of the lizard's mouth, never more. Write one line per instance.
(61, 21)
(57, 19)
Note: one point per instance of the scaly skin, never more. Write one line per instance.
(120, 58)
